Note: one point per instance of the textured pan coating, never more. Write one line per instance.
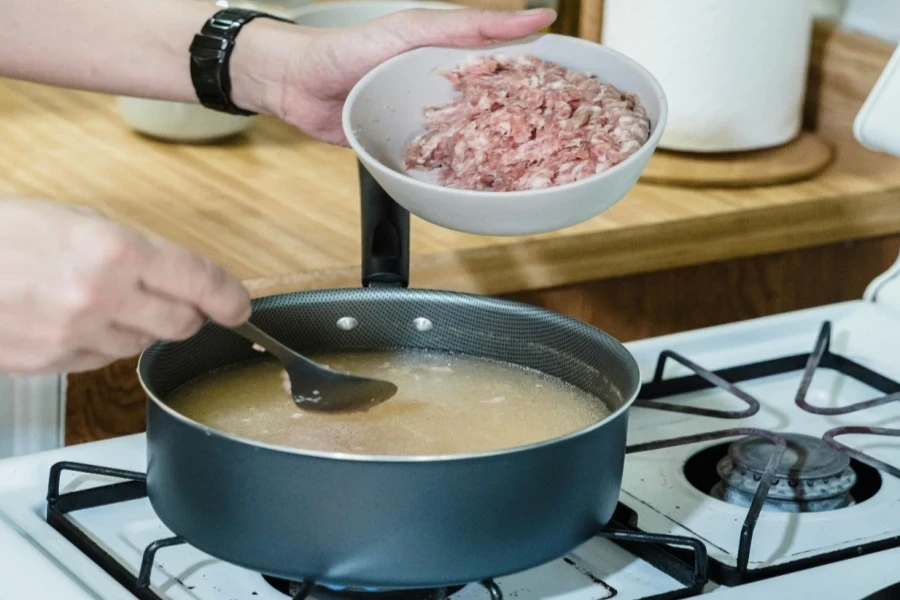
(391, 522)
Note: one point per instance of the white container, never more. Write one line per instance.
(879, 18)
(829, 10)
(877, 126)
(177, 122)
(734, 71)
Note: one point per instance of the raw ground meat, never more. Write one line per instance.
(524, 123)
(285, 378)
(286, 382)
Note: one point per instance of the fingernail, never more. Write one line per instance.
(534, 11)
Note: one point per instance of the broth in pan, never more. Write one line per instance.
(446, 404)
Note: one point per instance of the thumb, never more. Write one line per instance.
(400, 32)
(176, 273)
(467, 28)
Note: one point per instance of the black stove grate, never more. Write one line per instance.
(820, 357)
(60, 505)
(681, 558)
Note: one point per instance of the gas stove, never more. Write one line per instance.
(762, 457)
(98, 537)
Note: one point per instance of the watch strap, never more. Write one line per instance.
(211, 56)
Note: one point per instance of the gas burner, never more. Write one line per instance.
(293, 589)
(810, 477)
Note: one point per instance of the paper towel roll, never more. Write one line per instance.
(734, 71)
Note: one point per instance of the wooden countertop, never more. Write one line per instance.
(281, 211)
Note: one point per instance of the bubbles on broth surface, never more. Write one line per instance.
(446, 404)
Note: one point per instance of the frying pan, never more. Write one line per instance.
(889, 593)
(390, 522)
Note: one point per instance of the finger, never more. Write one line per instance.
(30, 348)
(33, 351)
(114, 341)
(399, 32)
(87, 211)
(82, 361)
(466, 28)
(177, 273)
(27, 362)
(21, 357)
(158, 317)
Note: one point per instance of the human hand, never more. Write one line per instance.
(78, 291)
(306, 81)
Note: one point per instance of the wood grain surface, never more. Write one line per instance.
(110, 402)
(641, 306)
(281, 210)
(590, 25)
(802, 158)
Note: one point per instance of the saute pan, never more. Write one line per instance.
(370, 522)
(390, 522)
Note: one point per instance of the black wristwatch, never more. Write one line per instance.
(211, 55)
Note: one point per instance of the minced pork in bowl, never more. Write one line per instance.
(384, 114)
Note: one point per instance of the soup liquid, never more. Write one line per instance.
(445, 404)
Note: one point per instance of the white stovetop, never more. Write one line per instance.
(32, 549)
(654, 483)
(39, 563)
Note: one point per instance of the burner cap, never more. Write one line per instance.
(810, 474)
(805, 457)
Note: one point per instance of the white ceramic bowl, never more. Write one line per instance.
(179, 122)
(347, 14)
(383, 114)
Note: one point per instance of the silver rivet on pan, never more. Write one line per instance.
(347, 323)
(423, 324)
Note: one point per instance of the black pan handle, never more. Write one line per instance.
(385, 235)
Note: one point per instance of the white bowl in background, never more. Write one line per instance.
(179, 122)
(192, 123)
(383, 114)
(346, 14)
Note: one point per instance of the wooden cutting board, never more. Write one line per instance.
(590, 23)
(803, 158)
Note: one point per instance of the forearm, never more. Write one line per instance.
(128, 47)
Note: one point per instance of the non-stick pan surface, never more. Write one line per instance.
(369, 522)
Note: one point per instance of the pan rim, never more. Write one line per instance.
(199, 428)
